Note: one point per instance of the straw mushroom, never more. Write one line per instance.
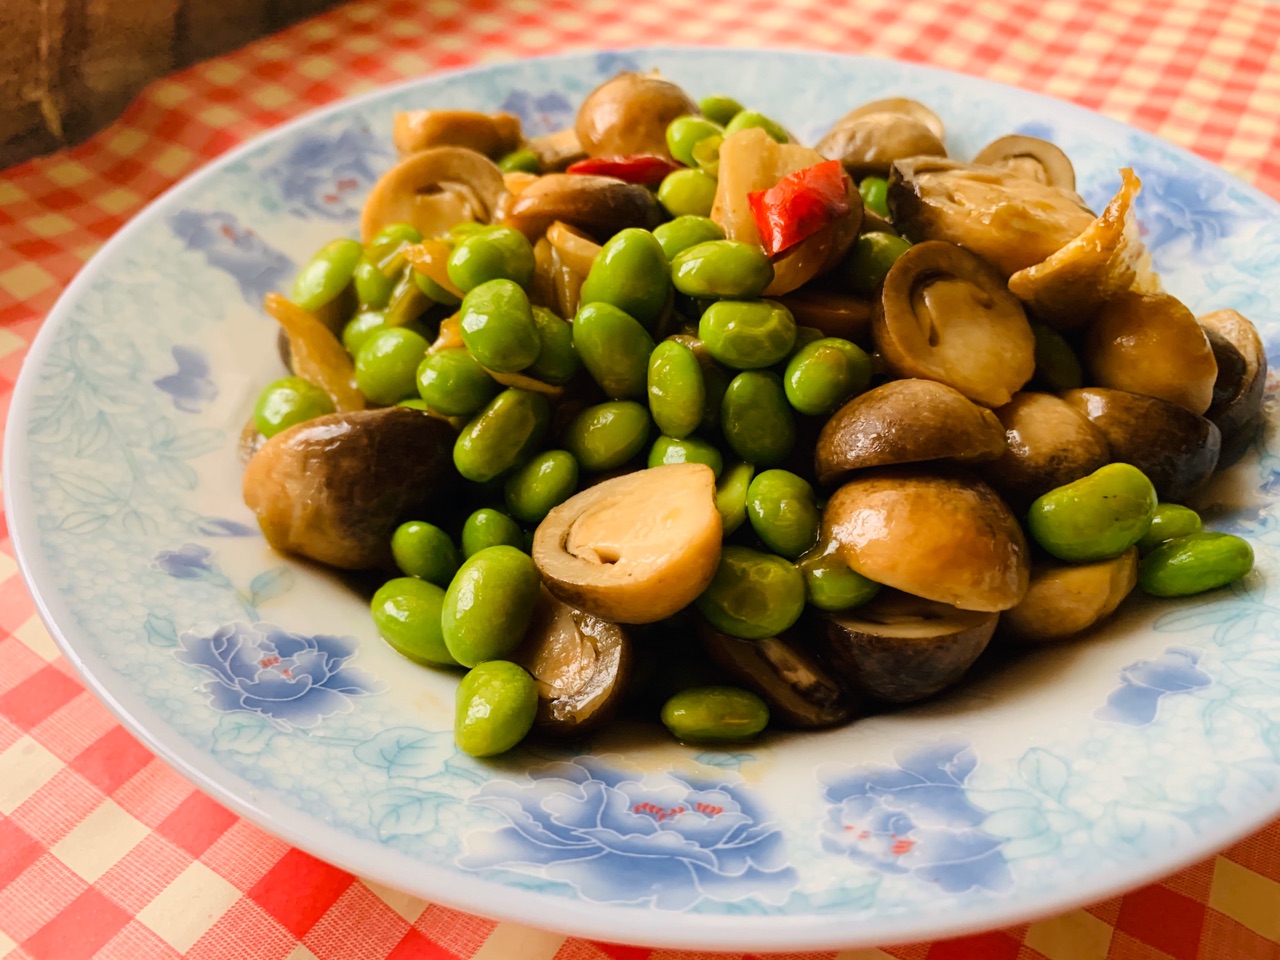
(630, 114)
(433, 191)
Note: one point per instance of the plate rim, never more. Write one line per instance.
(572, 917)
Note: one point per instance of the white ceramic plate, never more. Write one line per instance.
(1054, 780)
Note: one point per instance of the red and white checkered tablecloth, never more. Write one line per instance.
(105, 852)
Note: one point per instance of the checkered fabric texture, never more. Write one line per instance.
(105, 852)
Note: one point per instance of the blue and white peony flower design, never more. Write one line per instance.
(915, 818)
(257, 267)
(617, 839)
(189, 562)
(292, 679)
(327, 174)
(1145, 682)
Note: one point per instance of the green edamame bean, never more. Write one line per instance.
(783, 511)
(453, 383)
(1057, 366)
(495, 706)
(1096, 517)
(721, 268)
(391, 238)
(360, 327)
(1194, 564)
(607, 435)
(614, 348)
(687, 450)
(406, 613)
(807, 335)
(498, 326)
(747, 334)
(753, 595)
(731, 496)
(425, 551)
(719, 108)
(387, 364)
(557, 359)
(502, 435)
(328, 273)
(676, 388)
(872, 255)
(702, 714)
(373, 287)
(1169, 521)
(434, 291)
(496, 253)
(288, 402)
(706, 154)
(520, 161)
(824, 374)
(683, 134)
(687, 193)
(678, 235)
(488, 604)
(630, 272)
(875, 195)
(756, 418)
(546, 481)
(831, 584)
(744, 119)
(489, 528)
(415, 403)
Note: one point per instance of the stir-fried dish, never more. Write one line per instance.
(669, 415)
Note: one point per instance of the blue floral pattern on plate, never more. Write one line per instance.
(1067, 774)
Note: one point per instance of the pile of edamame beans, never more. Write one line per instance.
(678, 352)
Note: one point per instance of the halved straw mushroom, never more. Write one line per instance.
(1048, 443)
(945, 537)
(1241, 380)
(1105, 259)
(556, 151)
(579, 663)
(1176, 449)
(635, 548)
(433, 191)
(630, 114)
(868, 143)
(334, 488)
(598, 206)
(1064, 600)
(493, 134)
(905, 421)
(899, 648)
(1030, 157)
(945, 315)
(1009, 221)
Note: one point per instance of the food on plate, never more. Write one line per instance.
(667, 411)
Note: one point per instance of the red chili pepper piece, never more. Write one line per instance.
(645, 168)
(799, 205)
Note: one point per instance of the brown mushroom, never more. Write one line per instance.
(790, 679)
(493, 134)
(630, 114)
(945, 315)
(1030, 157)
(598, 206)
(905, 421)
(334, 488)
(942, 536)
(1151, 343)
(433, 191)
(1009, 221)
(868, 143)
(912, 108)
(1241, 381)
(1176, 449)
(580, 664)
(1107, 258)
(1064, 600)
(556, 151)
(899, 648)
(835, 314)
(1048, 443)
(635, 548)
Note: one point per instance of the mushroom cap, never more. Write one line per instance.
(1030, 157)
(1064, 600)
(597, 206)
(1241, 381)
(945, 537)
(903, 105)
(630, 114)
(868, 144)
(945, 315)
(493, 134)
(434, 190)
